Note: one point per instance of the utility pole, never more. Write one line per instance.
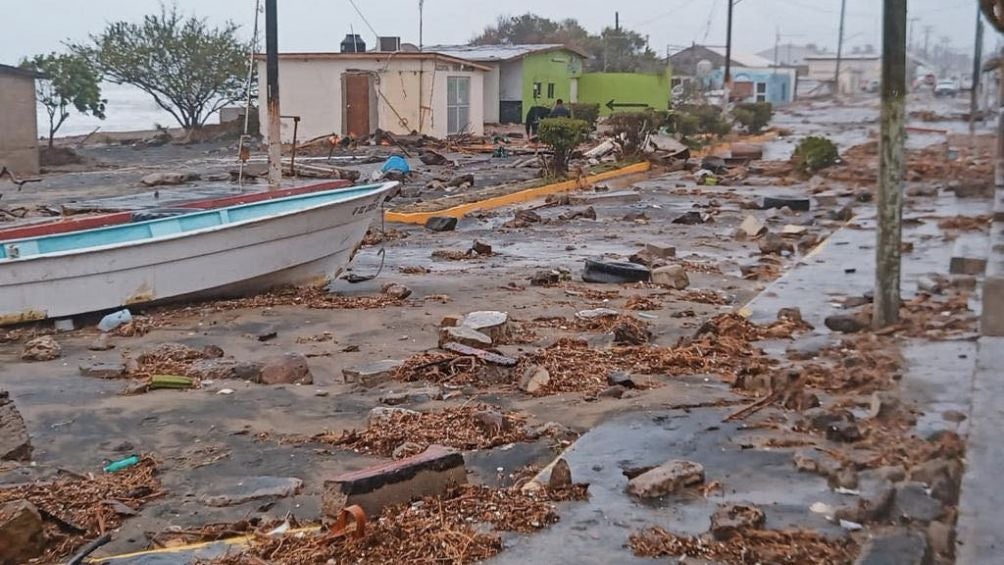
(728, 55)
(890, 181)
(977, 68)
(927, 38)
(272, 81)
(421, 21)
(840, 48)
(909, 39)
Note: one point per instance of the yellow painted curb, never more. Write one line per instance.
(514, 198)
(238, 541)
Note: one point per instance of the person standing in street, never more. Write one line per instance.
(560, 110)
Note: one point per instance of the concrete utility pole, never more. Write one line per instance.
(728, 56)
(974, 94)
(927, 38)
(272, 81)
(840, 48)
(421, 20)
(890, 187)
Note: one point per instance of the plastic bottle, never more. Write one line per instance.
(114, 320)
(116, 466)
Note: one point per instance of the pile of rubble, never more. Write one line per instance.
(789, 547)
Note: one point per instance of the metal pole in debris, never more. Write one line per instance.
(421, 24)
(974, 94)
(728, 56)
(890, 181)
(840, 49)
(272, 81)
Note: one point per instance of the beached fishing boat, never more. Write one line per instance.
(298, 240)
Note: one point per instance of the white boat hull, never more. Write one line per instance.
(307, 248)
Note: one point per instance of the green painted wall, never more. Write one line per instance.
(652, 90)
(553, 67)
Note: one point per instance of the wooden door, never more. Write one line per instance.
(357, 105)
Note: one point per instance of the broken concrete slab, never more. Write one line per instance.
(730, 519)
(561, 475)
(441, 223)
(615, 197)
(103, 370)
(222, 368)
(15, 444)
(489, 356)
(22, 532)
(252, 488)
(491, 323)
(373, 373)
(596, 313)
(750, 228)
(464, 335)
(896, 547)
(668, 478)
(968, 258)
(672, 276)
(535, 379)
(660, 250)
(912, 503)
(430, 473)
(381, 413)
(413, 396)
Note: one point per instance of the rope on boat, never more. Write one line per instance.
(241, 155)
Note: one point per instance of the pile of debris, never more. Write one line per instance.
(788, 547)
(398, 432)
(64, 514)
(447, 529)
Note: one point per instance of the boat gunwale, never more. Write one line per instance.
(378, 187)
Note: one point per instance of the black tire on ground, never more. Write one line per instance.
(614, 272)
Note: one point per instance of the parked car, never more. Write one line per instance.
(946, 87)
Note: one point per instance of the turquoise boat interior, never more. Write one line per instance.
(138, 232)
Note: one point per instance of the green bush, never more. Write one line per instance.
(698, 119)
(563, 135)
(814, 154)
(633, 127)
(753, 116)
(588, 113)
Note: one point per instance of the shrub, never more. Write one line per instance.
(588, 113)
(814, 154)
(694, 119)
(753, 116)
(563, 135)
(633, 127)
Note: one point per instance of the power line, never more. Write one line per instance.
(711, 15)
(365, 21)
(650, 21)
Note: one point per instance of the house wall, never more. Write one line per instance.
(781, 83)
(855, 74)
(491, 93)
(685, 62)
(18, 126)
(553, 67)
(652, 90)
(410, 95)
(511, 81)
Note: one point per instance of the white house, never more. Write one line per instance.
(856, 71)
(356, 93)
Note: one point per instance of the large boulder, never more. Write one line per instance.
(286, 369)
(15, 445)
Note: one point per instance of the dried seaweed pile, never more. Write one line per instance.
(701, 267)
(77, 510)
(749, 547)
(927, 164)
(591, 294)
(169, 359)
(456, 255)
(441, 367)
(706, 297)
(642, 303)
(965, 223)
(925, 316)
(433, 530)
(465, 427)
(376, 237)
(862, 364)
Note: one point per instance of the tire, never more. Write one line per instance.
(614, 272)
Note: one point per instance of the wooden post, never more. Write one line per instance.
(890, 181)
(272, 82)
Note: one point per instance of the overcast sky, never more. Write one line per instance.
(37, 26)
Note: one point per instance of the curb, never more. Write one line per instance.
(514, 198)
(992, 317)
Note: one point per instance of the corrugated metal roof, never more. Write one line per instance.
(499, 52)
(379, 55)
(744, 59)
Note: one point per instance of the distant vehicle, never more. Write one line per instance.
(967, 83)
(871, 86)
(946, 87)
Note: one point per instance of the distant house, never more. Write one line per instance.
(857, 72)
(18, 121)
(522, 76)
(754, 78)
(356, 93)
(791, 55)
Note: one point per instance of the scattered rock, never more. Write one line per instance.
(660, 250)
(381, 413)
(168, 179)
(219, 369)
(212, 352)
(615, 391)
(894, 473)
(912, 503)
(464, 335)
(561, 475)
(373, 373)
(932, 470)
(672, 276)
(416, 396)
(552, 429)
(289, 368)
(884, 405)
(596, 314)
(493, 324)
(896, 547)
(627, 333)
(941, 537)
(621, 378)
(808, 347)
(22, 532)
(668, 478)
(844, 214)
(929, 285)
(588, 213)
(441, 223)
(844, 478)
(545, 278)
(407, 449)
(750, 228)
(432, 158)
(528, 217)
(773, 244)
(535, 379)
(101, 343)
(42, 348)
(15, 444)
(492, 420)
(793, 230)
(839, 425)
(846, 323)
(103, 370)
(462, 181)
(395, 290)
(692, 217)
(796, 204)
(818, 462)
(731, 519)
(874, 502)
(954, 416)
(481, 248)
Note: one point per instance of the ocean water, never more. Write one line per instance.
(128, 109)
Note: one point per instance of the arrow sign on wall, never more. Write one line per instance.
(614, 105)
